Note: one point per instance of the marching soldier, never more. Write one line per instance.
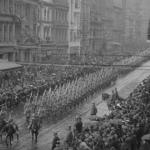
(28, 115)
(3, 113)
(69, 137)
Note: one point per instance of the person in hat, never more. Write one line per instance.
(78, 126)
(55, 141)
(145, 145)
(93, 109)
(3, 113)
(69, 137)
(33, 121)
(83, 145)
(58, 147)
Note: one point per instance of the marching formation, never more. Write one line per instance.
(127, 127)
(53, 97)
(55, 103)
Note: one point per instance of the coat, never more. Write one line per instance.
(93, 110)
(145, 146)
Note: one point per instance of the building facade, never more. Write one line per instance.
(117, 21)
(74, 26)
(85, 27)
(8, 24)
(26, 11)
(60, 26)
(44, 29)
(136, 23)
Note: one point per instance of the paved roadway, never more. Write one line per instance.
(125, 85)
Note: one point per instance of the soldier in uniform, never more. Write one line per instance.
(93, 109)
(28, 115)
(3, 113)
(78, 127)
(56, 141)
(69, 137)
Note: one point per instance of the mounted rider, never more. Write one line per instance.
(35, 121)
(14, 126)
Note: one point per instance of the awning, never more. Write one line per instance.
(5, 65)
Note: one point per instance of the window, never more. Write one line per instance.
(48, 15)
(77, 5)
(45, 14)
(1, 33)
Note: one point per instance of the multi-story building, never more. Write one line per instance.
(117, 21)
(60, 26)
(95, 35)
(74, 26)
(134, 23)
(8, 24)
(84, 27)
(26, 11)
(145, 18)
(44, 28)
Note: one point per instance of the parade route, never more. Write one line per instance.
(125, 85)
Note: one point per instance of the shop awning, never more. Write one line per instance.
(6, 66)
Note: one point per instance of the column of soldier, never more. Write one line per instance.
(56, 103)
(125, 128)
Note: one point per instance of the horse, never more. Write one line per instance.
(34, 128)
(10, 129)
(2, 125)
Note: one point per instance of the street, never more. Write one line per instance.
(124, 85)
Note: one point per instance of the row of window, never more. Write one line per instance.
(76, 3)
(60, 15)
(6, 6)
(25, 10)
(59, 35)
(47, 14)
(74, 35)
(6, 32)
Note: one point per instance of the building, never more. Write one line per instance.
(136, 23)
(145, 16)
(27, 42)
(8, 23)
(85, 27)
(117, 21)
(60, 26)
(95, 35)
(44, 28)
(74, 26)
